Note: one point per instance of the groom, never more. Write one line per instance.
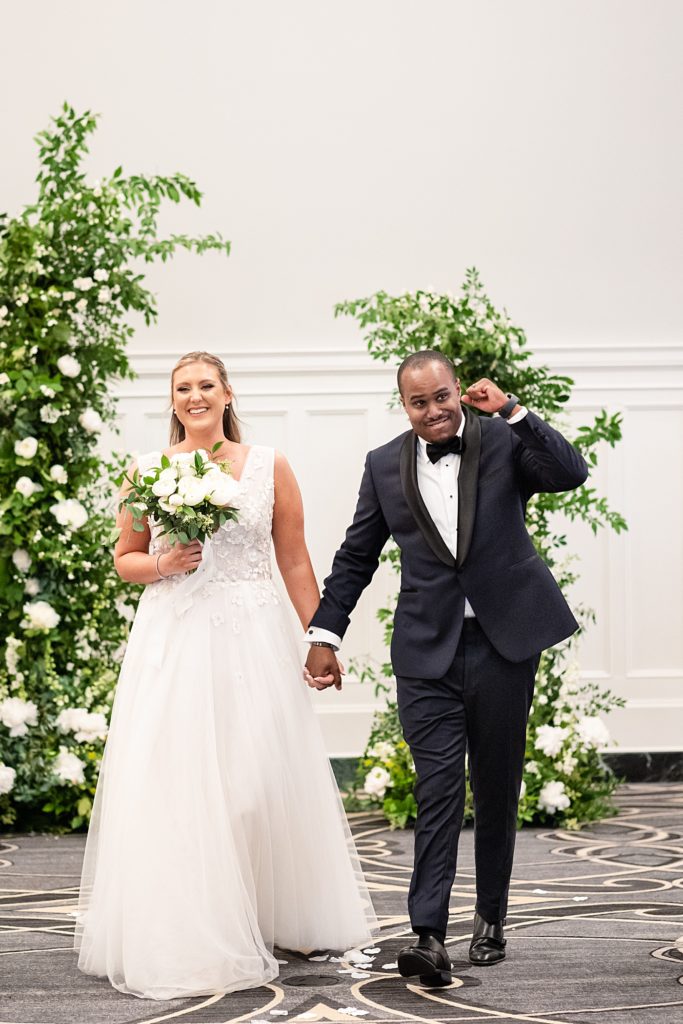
(476, 607)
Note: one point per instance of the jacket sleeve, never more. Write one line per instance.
(356, 560)
(544, 459)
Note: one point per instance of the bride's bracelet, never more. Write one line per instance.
(159, 572)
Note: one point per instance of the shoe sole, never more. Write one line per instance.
(411, 964)
(439, 980)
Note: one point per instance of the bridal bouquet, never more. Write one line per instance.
(187, 494)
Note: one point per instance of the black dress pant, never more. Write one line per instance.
(481, 705)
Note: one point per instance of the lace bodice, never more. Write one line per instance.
(240, 550)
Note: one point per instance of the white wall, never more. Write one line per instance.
(345, 147)
(326, 409)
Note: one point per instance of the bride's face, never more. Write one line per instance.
(199, 398)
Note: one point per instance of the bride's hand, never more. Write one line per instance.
(180, 558)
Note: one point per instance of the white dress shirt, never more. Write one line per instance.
(438, 486)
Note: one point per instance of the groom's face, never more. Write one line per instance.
(431, 397)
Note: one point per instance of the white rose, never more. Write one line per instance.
(32, 586)
(58, 474)
(184, 463)
(86, 725)
(192, 490)
(104, 296)
(49, 414)
(69, 513)
(553, 798)
(174, 501)
(549, 739)
(68, 296)
(40, 615)
(164, 486)
(532, 768)
(22, 560)
(4, 379)
(17, 715)
(68, 366)
(376, 782)
(382, 750)
(68, 768)
(222, 489)
(593, 731)
(100, 274)
(26, 448)
(91, 421)
(82, 305)
(84, 284)
(7, 777)
(26, 486)
(46, 391)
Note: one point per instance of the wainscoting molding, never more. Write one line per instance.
(326, 407)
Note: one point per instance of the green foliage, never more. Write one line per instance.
(69, 282)
(483, 342)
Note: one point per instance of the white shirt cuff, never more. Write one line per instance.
(518, 415)
(324, 635)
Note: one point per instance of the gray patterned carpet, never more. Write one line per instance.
(595, 935)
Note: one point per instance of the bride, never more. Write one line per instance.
(217, 830)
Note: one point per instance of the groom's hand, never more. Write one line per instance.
(485, 396)
(322, 669)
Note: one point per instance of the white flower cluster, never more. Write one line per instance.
(17, 715)
(12, 645)
(69, 768)
(7, 777)
(383, 751)
(550, 739)
(87, 726)
(22, 560)
(26, 448)
(27, 487)
(68, 366)
(40, 615)
(553, 798)
(91, 421)
(69, 513)
(179, 484)
(376, 782)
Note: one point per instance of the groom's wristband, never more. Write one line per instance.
(505, 411)
(322, 643)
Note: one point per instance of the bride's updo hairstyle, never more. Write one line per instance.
(231, 427)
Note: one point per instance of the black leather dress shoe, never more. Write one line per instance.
(428, 959)
(488, 944)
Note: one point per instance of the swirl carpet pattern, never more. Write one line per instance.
(595, 935)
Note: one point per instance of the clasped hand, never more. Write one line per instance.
(323, 669)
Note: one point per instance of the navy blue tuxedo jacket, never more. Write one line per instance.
(513, 593)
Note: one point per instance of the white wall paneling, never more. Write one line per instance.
(326, 408)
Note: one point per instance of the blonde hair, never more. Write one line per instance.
(231, 427)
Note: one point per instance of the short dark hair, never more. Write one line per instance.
(416, 360)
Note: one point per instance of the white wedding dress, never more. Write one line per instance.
(217, 829)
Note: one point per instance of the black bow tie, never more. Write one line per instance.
(452, 447)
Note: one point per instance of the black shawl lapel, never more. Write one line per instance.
(408, 468)
(468, 478)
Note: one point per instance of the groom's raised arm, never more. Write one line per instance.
(353, 566)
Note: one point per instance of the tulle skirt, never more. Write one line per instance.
(217, 830)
